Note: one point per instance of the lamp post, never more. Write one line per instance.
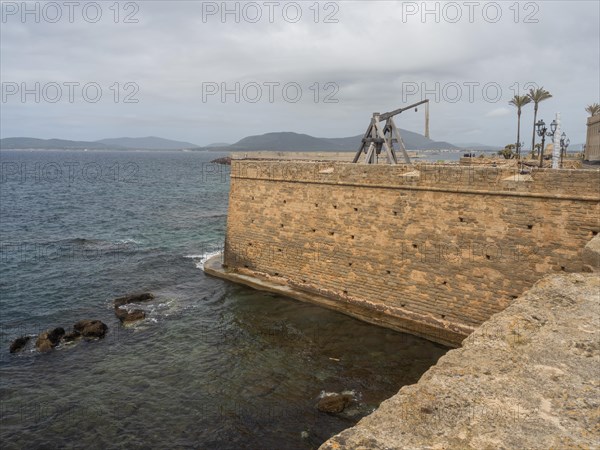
(518, 151)
(542, 131)
(564, 144)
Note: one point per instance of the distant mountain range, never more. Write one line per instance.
(146, 143)
(281, 141)
(125, 143)
(288, 141)
(26, 142)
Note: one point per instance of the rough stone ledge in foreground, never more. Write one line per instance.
(528, 378)
(591, 255)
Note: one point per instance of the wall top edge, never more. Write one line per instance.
(573, 184)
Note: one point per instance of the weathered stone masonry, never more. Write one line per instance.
(434, 250)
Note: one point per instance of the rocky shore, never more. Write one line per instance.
(47, 340)
(125, 310)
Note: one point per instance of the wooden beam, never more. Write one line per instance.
(362, 145)
(400, 141)
(395, 112)
(388, 150)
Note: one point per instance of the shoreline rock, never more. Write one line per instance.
(334, 404)
(19, 344)
(133, 298)
(49, 339)
(131, 316)
(86, 328)
(72, 336)
(91, 328)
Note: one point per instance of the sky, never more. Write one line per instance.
(207, 72)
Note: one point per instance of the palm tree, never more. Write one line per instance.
(593, 109)
(519, 101)
(537, 95)
(507, 151)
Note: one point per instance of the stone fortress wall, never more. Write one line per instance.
(434, 250)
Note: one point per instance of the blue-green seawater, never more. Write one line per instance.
(213, 366)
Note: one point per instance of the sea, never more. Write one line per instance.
(214, 365)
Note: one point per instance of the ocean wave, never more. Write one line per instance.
(84, 248)
(91, 243)
(103, 243)
(129, 241)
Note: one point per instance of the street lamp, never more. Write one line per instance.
(542, 131)
(564, 144)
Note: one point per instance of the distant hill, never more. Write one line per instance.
(26, 142)
(288, 141)
(147, 143)
(281, 141)
(284, 141)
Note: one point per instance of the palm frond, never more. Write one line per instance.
(593, 109)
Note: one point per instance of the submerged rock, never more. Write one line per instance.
(335, 403)
(42, 344)
(133, 298)
(91, 328)
(131, 316)
(73, 335)
(56, 334)
(18, 344)
(47, 340)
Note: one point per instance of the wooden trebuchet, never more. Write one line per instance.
(378, 137)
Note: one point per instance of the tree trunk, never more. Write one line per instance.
(533, 137)
(518, 133)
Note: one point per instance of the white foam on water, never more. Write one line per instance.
(324, 394)
(128, 241)
(201, 259)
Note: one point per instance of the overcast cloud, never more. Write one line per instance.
(362, 56)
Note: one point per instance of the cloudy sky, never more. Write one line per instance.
(209, 72)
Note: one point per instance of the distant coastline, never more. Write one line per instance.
(276, 141)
